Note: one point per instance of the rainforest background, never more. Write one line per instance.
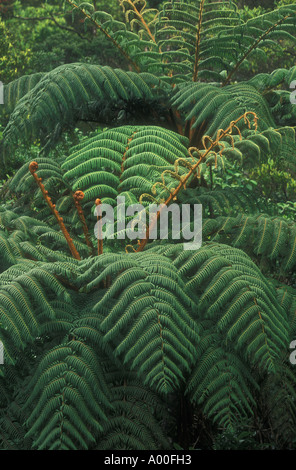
(121, 345)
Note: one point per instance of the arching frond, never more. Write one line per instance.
(77, 91)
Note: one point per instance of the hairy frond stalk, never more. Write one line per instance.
(33, 167)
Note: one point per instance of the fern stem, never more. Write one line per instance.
(100, 28)
(174, 118)
(78, 196)
(251, 48)
(162, 343)
(33, 168)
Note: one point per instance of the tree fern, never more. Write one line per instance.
(77, 90)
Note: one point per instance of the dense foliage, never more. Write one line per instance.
(141, 344)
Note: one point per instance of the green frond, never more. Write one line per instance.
(149, 305)
(77, 396)
(245, 309)
(90, 88)
(116, 347)
(222, 384)
(25, 299)
(218, 106)
(134, 422)
(16, 90)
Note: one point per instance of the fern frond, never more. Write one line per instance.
(221, 383)
(135, 422)
(25, 298)
(150, 315)
(76, 91)
(16, 90)
(280, 404)
(211, 104)
(71, 396)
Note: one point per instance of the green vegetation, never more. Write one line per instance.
(140, 344)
